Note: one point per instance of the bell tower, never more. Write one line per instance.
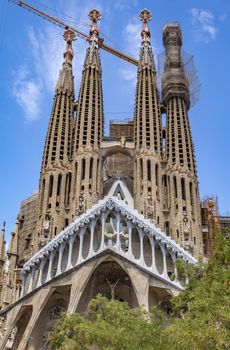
(56, 173)
(148, 130)
(89, 127)
(181, 176)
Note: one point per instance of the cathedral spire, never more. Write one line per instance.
(92, 56)
(13, 245)
(65, 81)
(148, 131)
(56, 176)
(2, 242)
(146, 55)
(89, 124)
(184, 218)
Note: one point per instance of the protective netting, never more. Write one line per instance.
(190, 71)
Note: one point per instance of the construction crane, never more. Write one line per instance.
(80, 34)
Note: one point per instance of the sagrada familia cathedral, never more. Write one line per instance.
(113, 213)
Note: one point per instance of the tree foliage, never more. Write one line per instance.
(200, 318)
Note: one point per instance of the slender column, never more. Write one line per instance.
(32, 274)
(175, 268)
(69, 264)
(92, 227)
(42, 264)
(79, 260)
(24, 276)
(61, 249)
(153, 255)
(118, 244)
(103, 231)
(130, 241)
(165, 274)
(51, 258)
(141, 235)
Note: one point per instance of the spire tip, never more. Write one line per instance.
(145, 16)
(95, 16)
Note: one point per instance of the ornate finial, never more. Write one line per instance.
(69, 36)
(95, 16)
(145, 16)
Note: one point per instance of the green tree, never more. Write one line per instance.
(111, 325)
(200, 318)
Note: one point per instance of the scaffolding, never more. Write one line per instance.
(188, 66)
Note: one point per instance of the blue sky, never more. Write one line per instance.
(31, 56)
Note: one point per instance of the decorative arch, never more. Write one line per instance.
(18, 328)
(110, 279)
(56, 303)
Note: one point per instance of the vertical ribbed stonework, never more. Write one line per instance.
(9, 285)
(56, 174)
(147, 121)
(183, 221)
(89, 127)
(2, 260)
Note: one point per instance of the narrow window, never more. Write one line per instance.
(91, 168)
(175, 186)
(66, 187)
(69, 185)
(43, 191)
(156, 174)
(59, 184)
(183, 189)
(141, 166)
(191, 193)
(51, 185)
(83, 169)
(167, 228)
(149, 170)
(75, 179)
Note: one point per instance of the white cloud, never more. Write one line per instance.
(47, 47)
(28, 93)
(122, 5)
(132, 39)
(46, 56)
(132, 36)
(129, 74)
(204, 20)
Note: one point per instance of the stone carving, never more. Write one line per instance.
(55, 312)
(10, 341)
(117, 220)
(2, 327)
(122, 141)
(46, 223)
(81, 205)
(7, 266)
(150, 214)
(42, 240)
(46, 339)
(108, 204)
(112, 286)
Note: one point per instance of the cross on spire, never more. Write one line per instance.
(95, 16)
(145, 16)
(69, 36)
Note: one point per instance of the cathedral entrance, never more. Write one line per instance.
(57, 303)
(110, 280)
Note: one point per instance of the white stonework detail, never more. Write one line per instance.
(116, 222)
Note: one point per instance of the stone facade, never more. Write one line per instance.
(113, 213)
